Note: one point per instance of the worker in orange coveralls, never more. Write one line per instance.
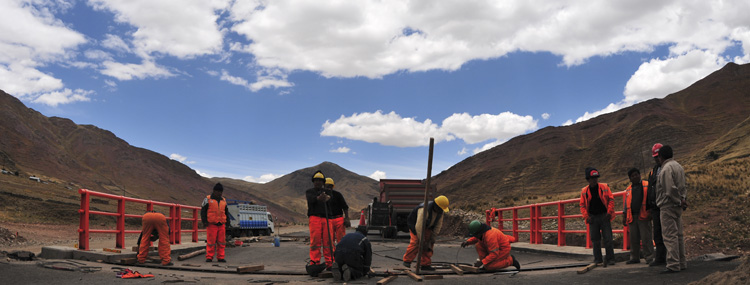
(214, 217)
(319, 208)
(339, 211)
(155, 227)
(493, 247)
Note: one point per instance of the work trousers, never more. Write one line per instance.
(640, 234)
(599, 228)
(320, 236)
(660, 252)
(503, 261)
(413, 249)
(674, 238)
(338, 229)
(216, 241)
(155, 222)
(354, 260)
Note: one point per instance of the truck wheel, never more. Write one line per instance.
(267, 232)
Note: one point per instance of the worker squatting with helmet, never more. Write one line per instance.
(214, 217)
(154, 227)
(493, 247)
(598, 210)
(339, 211)
(434, 222)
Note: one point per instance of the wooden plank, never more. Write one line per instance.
(457, 270)
(413, 275)
(112, 250)
(432, 277)
(587, 268)
(191, 255)
(191, 265)
(387, 280)
(250, 268)
(468, 268)
(129, 260)
(325, 275)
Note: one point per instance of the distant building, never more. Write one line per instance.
(34, 178)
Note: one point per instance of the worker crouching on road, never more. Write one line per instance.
(318, 211)
(493, 247)
(155, 227)
(353, 256)
(339, 211)
(598, 210)
(214, 217)
(434, 222)
(637, 218)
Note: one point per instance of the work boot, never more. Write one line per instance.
(336, 272)
(346, 273)
(657, 263)
(222, 260)
(515, 263)
(209, 260)
(168, 264)
(632, 261)
(427, 268)
(407, 264)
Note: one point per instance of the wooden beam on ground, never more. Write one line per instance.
(413, 275)
(325, 275)
(432, 277)
(129, 260)
(191, 265)
(192, 254)
(468, 268)
(250, 268)
(457, 270)
(112, 250)
(587, 268)
(387, 280)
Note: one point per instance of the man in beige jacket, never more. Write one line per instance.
(671, 198)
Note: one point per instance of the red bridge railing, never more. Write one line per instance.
(536, 219)
(175, 219)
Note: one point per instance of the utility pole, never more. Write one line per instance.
(424, 207)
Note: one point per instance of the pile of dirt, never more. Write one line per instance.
(740, 275)
(9, 238)
(456, 222)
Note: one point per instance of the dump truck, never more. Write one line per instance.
(248, 219)
(398, 197)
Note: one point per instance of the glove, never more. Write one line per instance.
(464, 244)
(479, 264)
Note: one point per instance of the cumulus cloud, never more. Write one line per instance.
(180, 158)
(341, 149)
(129, 71)
(64, 96)
(377, 175)
(262, 179)
(203, 174)
(116, 43)
(545, 116)
(393, 130)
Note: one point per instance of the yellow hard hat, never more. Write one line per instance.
(330, 181)
(442, 202)
(318, 175)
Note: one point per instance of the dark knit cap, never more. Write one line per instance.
(219, 187)
(591, 172)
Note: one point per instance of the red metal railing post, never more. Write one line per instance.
(500, 220)
(488, 216)
(171, 220)
(195, 225)
(150, 206)
(178, 225)
(83, 226)
(588, 236)
(532, 225)
(560, 224)
(515, 223)
(539, 239)
(625, 235)
(120, 238)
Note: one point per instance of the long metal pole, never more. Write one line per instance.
(424, 208)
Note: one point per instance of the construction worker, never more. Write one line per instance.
(353, 256)
(339, 212)
(154, 227)
(493, 247)
(434, 222)
(671, 198)
(637, 218)
(660, 252)
(215, 219)
(598, 210)
(318, 212)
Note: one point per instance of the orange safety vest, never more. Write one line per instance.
(604, 194)
(216, 212)
(643, 215)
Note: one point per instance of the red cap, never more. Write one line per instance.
(655, 149)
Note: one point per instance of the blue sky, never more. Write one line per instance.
(257, 89)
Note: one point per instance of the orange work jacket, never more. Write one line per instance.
(498, 248)
(643, 215)
(604, 194)
(215, 211)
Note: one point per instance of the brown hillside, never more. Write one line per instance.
(551, 160)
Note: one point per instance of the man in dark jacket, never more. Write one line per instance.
(432, 225)
(353, 256)
(660, 252)
(319, 206)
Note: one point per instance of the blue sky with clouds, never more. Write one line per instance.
(257, 89)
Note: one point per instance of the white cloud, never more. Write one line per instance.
(129, 71)
(462, 151)
(476, 129)
(20, 80)
(63, 97)
(233, 79)
(116, 43)
(488, 146)
(203, 174)
(377, 175)
(177, 157)
(98, 55)
(262, 179)
(341, 149)
(545, 116)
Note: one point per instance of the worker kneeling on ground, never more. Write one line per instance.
(493, 247)
(154, 227)
(434, 222)
(353, 256)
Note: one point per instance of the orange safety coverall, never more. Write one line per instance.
(155, 222)
(494, 249)
(338, 229)
(216, 235)
(413, 249)
(319, 233)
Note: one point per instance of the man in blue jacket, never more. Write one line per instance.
(353, 256)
